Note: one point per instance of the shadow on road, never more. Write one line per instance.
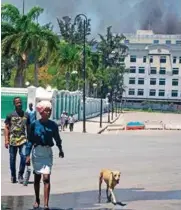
(89, 199)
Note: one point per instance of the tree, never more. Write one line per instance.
(22, 36)
(73, 32)
(113, 52)
(7, 64)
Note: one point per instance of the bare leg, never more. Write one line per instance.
(46, 180)
(37, 178)
(100, 183)
(107, 194)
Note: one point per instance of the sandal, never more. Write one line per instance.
(46, 208)
(36, 204)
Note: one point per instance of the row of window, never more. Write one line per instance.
(163, 59)
(153, 81)
(153, 70)
(157, 42)
(152, 92)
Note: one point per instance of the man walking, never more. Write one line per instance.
(16, 124)
(31, 112)
(62, 121)
(71, 122)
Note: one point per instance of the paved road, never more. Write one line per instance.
(150, 166)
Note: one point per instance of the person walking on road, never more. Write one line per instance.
(16, 129)
(66, 119)
(62, 121)
(40, 141)
(71, 122)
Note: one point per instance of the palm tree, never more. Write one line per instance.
(67, 59)
(23, 36)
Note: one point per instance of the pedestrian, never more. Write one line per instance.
(66, 119)
(40, 141)
(71, 122)
(62, 120)
(16, 126)
(31, 112)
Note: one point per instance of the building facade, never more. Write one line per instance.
(154, 64)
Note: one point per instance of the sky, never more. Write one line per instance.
(125, 16)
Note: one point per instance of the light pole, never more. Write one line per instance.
(109, 102)
(101, 105)
(74, 75)
(94, 86)
(83, 67)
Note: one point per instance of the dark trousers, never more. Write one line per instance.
(66, 123)
(13, 152)
(71, 126)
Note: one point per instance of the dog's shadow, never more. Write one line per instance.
(89, 199)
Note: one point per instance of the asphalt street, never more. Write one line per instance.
(149, 163)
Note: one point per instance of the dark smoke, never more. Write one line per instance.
(162, 16)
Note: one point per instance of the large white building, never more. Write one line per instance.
(154, 63)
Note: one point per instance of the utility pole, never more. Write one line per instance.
(23, 7)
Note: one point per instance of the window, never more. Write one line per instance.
(151, 59)
(179, 59)
(131, 92)
(152, 81)
(174, 59)
(161, 81)
(168, 42)
(153, 70)
(174, 82)
(162, 70)
(161, 93)
(155, 41)
(131, 80)
(178, 41)
(175, 71)
(141, 70)
(144, 59)
(140, 92)
(132, 69)
(126, 41)
(133, 58)
(174, 93)
(140, 81)
(163, 59)
(152, 92)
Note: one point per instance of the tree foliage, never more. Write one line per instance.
(40, 55)
(21, 36)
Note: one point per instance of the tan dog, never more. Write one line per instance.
(111, 178)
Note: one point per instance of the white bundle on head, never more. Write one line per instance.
(42, 105)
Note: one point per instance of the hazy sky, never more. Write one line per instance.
(123, 15)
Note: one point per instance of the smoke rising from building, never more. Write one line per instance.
(162, 16)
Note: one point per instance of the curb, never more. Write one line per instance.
(103, 129)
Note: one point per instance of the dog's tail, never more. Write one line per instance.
(100, 183)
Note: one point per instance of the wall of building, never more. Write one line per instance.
(142, 45)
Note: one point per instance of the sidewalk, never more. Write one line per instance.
(93, 124)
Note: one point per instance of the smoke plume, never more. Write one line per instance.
(125, 16)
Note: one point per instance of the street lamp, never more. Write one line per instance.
(83, 67)
(27, 84)
(101, 86)
(74, 75)
(94, 86)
